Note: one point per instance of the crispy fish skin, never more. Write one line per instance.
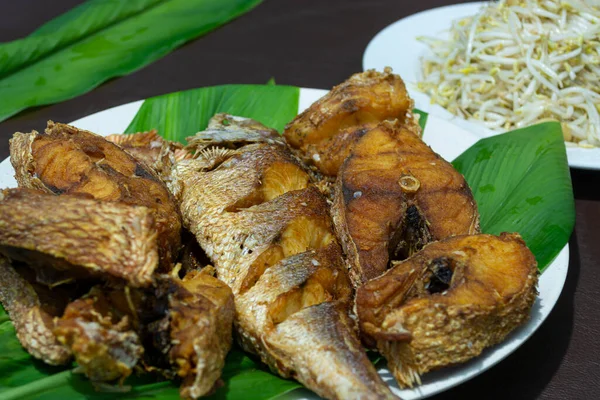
(270, 237)
(326, 132)
(152, 149)
(67, 160)
(448, 302)
(81, 236)
(201, 320)
(33, 321)
(104, 343)
(393, 195)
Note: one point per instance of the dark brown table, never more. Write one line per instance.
(319, 43)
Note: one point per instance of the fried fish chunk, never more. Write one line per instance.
(448, 302)
(393, 195)
(103, 341)
(67, 160)
(201, 316)
(81, 237)
(326, 132)
(270, 237)
(31, 308)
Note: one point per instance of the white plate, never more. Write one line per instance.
(397, 46)
(448, 140)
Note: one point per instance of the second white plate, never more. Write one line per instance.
(397, 46)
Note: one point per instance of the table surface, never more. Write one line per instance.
(319, 43)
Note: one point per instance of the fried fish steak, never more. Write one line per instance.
(81, 237)
(326, 132)
(103, 341)
(31, 308)
(270, 237)
(448, 302)
(393, 195)
(149, 147)
(67, 160)
(201, 316)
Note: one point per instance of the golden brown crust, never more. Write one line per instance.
(32, 321)
(393, 195)
(201, 319)
(448, 302)
(67, 160)
(271, 239)
(326, 132)
(81, 236)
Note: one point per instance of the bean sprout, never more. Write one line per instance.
(519, 62)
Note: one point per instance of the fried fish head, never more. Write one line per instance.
(393, 195)
(78, 236)
(326, 132)
(31, 309)
(448, 302)
(67, 160)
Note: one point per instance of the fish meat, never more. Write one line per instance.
(393, 195)
(200, 315)
(448, 302)
(32, 308)
(67, 160)
(104, 342)
(78, 236)
(269, 234)
(325, 133)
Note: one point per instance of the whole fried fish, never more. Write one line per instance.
(448, 302)
(393, 195)
(270, 237)
(67, 160)
(325, 133)
(78, 236)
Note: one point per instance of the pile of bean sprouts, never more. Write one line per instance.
(520, 62)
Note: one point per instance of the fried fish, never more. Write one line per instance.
(67, 160)
(270, 237)
(325, 133)
(448, 302)
(78, 236)
(103, 341)
(393, 195)
(32, 308)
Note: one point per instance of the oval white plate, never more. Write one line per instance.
(449, 141)
(397, 46)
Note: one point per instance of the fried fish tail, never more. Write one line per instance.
(33, 321)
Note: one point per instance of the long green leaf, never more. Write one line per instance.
(182, 114)
(522, 184)
(61, 61)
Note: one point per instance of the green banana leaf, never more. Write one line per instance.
(521, 182)
(182, 114)
(99, 40)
